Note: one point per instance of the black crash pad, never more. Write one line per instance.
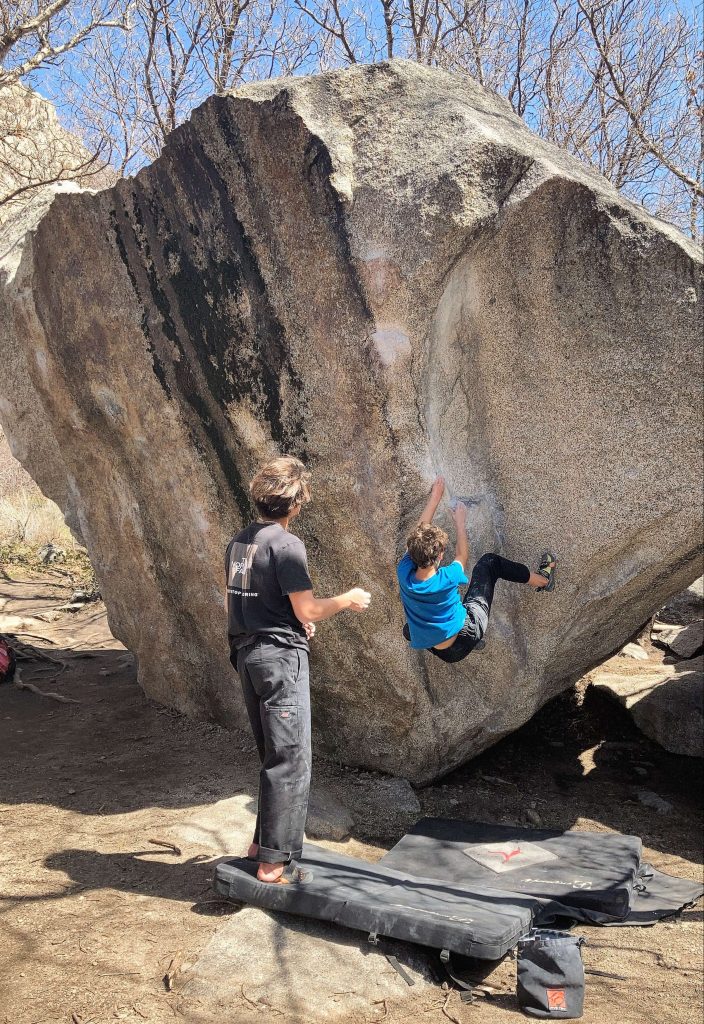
(394, 903)
(657, 896)
(595, 877)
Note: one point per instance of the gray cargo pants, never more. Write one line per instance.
(276, 689)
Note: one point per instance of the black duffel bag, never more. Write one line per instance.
(551, 974)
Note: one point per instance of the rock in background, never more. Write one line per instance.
(665, 696)
(39, 159)
(383, 271)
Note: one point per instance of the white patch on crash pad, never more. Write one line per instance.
(503, 857)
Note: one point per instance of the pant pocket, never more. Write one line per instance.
(283, 723)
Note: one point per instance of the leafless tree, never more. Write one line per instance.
(35, 33)
(178, 52)
(35, 150)
(616, 82)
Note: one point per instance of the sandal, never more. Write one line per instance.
(293, 873)
(547, 570)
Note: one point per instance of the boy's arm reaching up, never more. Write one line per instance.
(462, 547)
(436, 493)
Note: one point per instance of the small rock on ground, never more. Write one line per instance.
(652, 800)
(683, 641)
(328, 818)
(385, 807)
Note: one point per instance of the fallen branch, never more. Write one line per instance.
(266, 1002)
(450, 1016)
(46, 693)
(166, 844)
(172, 970)
(496, 779)
(29, 652)
(605, 974)
(34, 636)
(246, 997)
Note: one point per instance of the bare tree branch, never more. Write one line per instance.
(591, 13)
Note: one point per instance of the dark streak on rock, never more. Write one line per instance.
(156, 362)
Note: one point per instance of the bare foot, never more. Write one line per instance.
(253, 851)
(270, 872)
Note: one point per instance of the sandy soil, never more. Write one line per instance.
(95, 913)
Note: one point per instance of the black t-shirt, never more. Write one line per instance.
(263, 565)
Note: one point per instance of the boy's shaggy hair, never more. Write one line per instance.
(280, 486)
(426, 544)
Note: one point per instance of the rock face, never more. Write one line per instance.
(383, 271)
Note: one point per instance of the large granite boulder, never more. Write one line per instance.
(384, 271)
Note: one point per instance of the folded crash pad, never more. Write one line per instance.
(657, 896)
(595, 877)
(379, 899)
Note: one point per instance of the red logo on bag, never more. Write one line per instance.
(285, 714)
(556, 999)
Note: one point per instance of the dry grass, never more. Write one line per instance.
(27, 517)
(29, 520)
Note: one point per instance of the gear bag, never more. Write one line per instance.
(551, 974)
(7, 662)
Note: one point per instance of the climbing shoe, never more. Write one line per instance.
(547, 568)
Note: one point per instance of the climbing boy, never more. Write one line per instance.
(271, 612)
(439, 620)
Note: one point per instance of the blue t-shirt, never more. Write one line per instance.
(433, 607)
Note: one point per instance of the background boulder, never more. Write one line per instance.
(383, 271)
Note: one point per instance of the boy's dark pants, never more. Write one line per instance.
(276, 689)
(477, 602)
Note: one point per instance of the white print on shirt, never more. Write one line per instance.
(240, 569)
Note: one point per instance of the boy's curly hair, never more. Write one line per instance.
(426, 544)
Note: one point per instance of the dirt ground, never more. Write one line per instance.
(95, 913)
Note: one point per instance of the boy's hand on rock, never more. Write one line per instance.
(459, 514)
(359, 599)
(438, 488)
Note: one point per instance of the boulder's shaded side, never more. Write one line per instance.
(383, 271)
